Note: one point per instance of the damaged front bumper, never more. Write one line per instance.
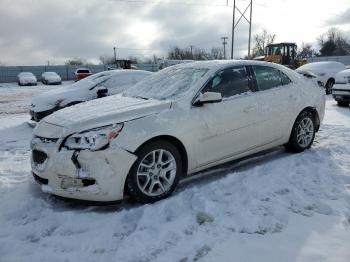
(86, 175)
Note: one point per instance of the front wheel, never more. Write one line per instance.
(156, 172)
(303, 133)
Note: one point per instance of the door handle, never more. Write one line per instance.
(249, 109)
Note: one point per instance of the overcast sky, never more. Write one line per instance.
(33, 32)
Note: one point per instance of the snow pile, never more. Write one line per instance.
(272, 207)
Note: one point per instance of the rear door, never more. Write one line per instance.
(277, 102)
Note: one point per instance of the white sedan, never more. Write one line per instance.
(26, 79)
(341, 89)
(51, 78)
(326, 72)
(95, 86)
(179, 121)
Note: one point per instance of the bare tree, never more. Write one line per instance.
(306, 51)
(262, 39)
(177, 53)
(107, 60)
(217, 53)
(76, 61)
(334, 42)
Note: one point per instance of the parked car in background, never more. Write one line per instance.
(95, 86)
(326, 72)
(81, 73)
(311, 76)
(51, 78)
(341, 88)
(26, 79)
(180, 120)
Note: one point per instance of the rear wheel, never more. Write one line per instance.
(156, 172)
(343, 104)
(329, 86)
(303, 133)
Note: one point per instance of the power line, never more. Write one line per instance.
(170, 3)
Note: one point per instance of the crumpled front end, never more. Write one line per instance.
(86, 175)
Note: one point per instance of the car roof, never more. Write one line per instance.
(221, 64)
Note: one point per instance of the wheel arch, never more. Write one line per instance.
(314, 112)
(177, 143)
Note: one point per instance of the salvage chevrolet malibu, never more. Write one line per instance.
(181, 120)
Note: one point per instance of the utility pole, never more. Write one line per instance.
(234, 24)
(115, 57)
(250, 27)
(233, 28)
(224, 38)
(191, 46)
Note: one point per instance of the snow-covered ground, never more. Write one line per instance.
(275, 206)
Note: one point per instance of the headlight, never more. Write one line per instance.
(94, 139)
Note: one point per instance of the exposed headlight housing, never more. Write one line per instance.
(94, 139)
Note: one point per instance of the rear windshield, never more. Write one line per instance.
(83, 71)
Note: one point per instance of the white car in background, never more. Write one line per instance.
(51, 78)
(341, 88)
(26, 79)
(326, 72)
(95, 86)
(181, 120)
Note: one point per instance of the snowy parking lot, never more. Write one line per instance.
(275, 206)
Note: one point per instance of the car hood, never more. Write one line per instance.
(58, 98)
(102, 112)
(343, 77)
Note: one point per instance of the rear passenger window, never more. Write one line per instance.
(229, 82)
(267, 77)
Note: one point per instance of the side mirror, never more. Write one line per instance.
(102, 93)
(208, 97)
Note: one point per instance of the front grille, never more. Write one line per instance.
(341, 90)
(39, 157)
(40, 180)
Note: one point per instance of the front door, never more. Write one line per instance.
(228, 127)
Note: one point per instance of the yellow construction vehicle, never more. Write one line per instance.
(283, 54)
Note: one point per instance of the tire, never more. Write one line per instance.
(329, 85)
(303, 133)
(150, 180)
(343, 104)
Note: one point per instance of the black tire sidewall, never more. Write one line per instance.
(329, 86)
(131, 181)
(293, 144)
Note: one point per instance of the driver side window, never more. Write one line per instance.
(229, 82)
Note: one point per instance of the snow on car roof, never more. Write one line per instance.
(321, 65)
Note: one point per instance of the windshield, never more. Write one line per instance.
(91, 81)
(167, 83)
